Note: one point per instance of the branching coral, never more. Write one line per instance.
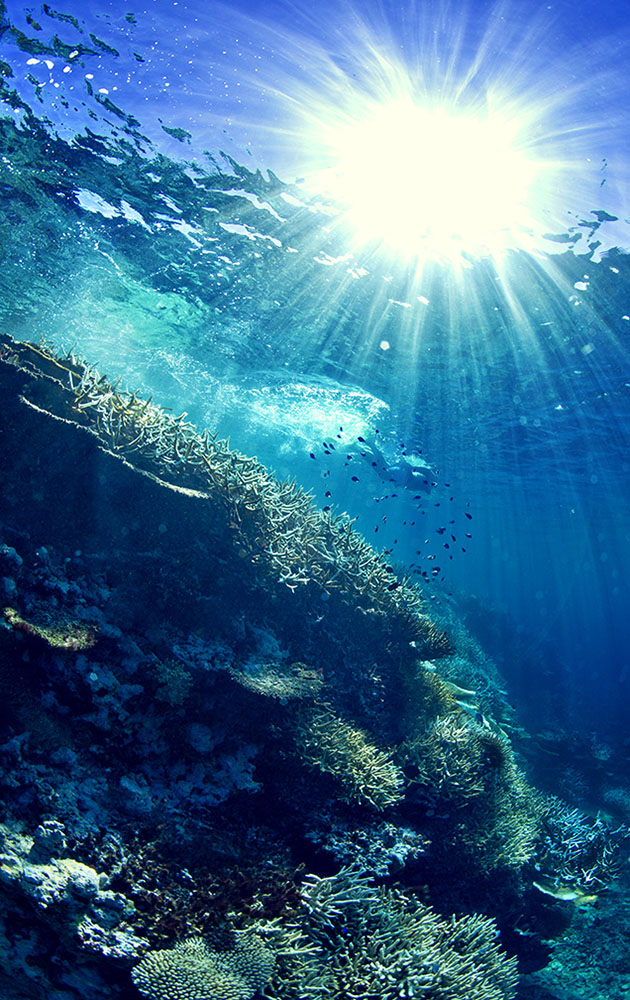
(466, 774)
(355, 940)
(457, 760)
(425, 696)
(329, 744)
(273, 524)
(575, 854)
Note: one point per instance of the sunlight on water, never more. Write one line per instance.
(469, 138)
(456, 182)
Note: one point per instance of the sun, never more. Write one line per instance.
(430, 179)
(437, 134)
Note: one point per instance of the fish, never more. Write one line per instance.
(564, 892)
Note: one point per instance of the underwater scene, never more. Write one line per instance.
(314, 500)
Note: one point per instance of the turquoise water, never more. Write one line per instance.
(143, 229)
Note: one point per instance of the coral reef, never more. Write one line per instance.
(209, 688)
(274, 525)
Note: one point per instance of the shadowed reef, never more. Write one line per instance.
(212, 688)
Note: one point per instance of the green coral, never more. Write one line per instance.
(175, 683)
(331, 745)
(353, 939)
(192, 970)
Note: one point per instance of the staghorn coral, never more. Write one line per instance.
(500, 830)
(192, 970)
(366, 774)
(456, 760)
(274, 525)
(575, 854)
(355, 940)
(424, 697)
(466, 775)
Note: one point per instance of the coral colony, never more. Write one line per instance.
(237, 755)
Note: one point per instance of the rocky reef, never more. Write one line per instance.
(238, 756)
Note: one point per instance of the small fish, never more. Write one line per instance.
(455, 689)
(312, 455)
(327, 493)
(469, 516)
(564, 892)
(355, 479)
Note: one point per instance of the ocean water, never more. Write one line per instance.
(158, 220)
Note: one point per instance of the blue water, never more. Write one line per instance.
(155, 221)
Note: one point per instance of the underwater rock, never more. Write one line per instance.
(68, 894)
